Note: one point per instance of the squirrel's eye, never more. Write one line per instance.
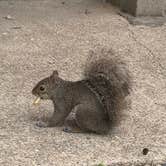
(42, 88)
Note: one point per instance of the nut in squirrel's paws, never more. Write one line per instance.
(37, 101)
(41, 124)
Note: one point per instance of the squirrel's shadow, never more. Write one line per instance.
(38, 116)
(45, 117)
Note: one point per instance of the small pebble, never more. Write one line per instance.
(145, 151)
(87, 138)
(87, 11)
(8, 17)
(5, 33)
(16, 27)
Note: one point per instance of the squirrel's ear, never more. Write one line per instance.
(55, 73)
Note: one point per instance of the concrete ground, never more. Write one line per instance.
(37, 36)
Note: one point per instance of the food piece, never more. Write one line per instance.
(36, 101)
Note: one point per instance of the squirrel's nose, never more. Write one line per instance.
(33, 91)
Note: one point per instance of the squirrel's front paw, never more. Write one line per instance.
(41, 124)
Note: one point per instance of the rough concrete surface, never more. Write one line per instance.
(151, 7)
(37, 36)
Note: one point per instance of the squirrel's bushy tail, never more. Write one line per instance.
(110, 81)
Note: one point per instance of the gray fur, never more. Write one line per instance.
(95, 98)
(111, 83)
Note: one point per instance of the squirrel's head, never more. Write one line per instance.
(45, 88)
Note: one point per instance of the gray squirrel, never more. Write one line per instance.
(95, 99)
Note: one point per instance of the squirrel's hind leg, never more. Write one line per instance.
(92, 119)
(72, 127)
(88, 120)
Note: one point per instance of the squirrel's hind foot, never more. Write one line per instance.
(71, 127)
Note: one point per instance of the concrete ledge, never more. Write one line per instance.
(116, 3)
(150, 7)
(142, 7)
(144, 20)
(129, 6)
